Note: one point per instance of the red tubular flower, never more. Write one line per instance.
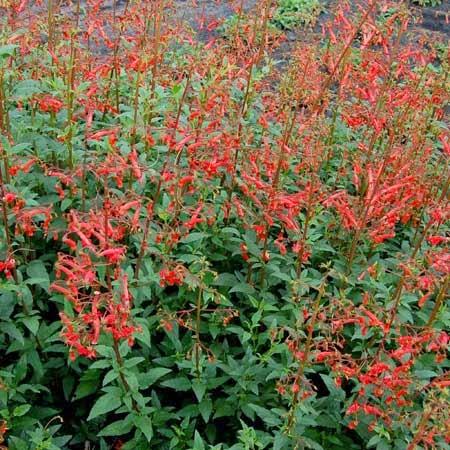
(171, 277)
(113, 255)
(7, 267)
(244, 252)
(436, 240)
(49, 103)
(9, 198)
(195, 219)
(353, 408)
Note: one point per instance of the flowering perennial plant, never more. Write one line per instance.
(201, 249)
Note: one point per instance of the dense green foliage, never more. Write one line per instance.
(293, 13)
(200, 251)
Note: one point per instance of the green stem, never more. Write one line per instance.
(439, 300)
(197, 331)
(306, 353)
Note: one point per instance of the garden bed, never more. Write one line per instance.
(221, 231)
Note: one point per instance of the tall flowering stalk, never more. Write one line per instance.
(221, 242)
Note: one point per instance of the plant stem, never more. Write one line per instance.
(420, 429)
(307, 350)
(137, 269)
(5, 224)
(71, 87)
(50, 20)
(121, 375)
(198, 343)
(439, 300)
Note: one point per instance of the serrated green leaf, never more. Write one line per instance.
(425, 374)
(133, 361)
(7, 303)
(100, 364)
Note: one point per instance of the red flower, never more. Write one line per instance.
(7, 267)
(113, 255)
(436, 240)
(9, 197)
(244, 252)
(170, 277)
(49, 103)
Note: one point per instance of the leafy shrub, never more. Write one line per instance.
(200, 252)
(239, 30)
(428, 2)
(290, 14)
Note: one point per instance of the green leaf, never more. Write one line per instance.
(134, 361)
(144, 423)
(118, 428)
(32, 323)
(384, 445)
(309, 443)
(267, 416)
(425, 374)
(331, 386)
(193, 237)
(66, 203)
(18, 444)
(281, 442)
(38, 274)
(205, 408)
(225, 279)
(7, 303)
(11, 330)
(24, 90)
(373, 441)
(21, 410)
(198, 442)
(144, 334)
(110, 376)
(245, 288)
(199, 388)
(100, 364)
(179, 384)
(7, 50)
(104, 404)
(147, 379)
(89, 382)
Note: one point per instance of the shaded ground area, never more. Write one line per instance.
(432, 22)
(435, 19)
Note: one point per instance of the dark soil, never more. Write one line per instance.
(435, 19)
(432, 22)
